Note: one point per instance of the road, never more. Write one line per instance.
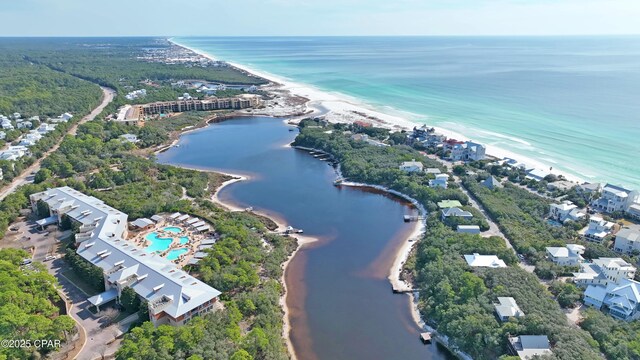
(26, 177)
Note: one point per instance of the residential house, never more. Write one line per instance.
(412, 166)
(598, 229)
(590, 188)
(445, 204)
(560, 185)
(67, 116)
(569, 255)
(507, 308)
(490, 261)
(464, 151)
(468, 229)
(529, 346)
(628, 240)
(537, 174)
(491, 183)
(6, 124)
(440, 181)
(434, 171)
(565, 211)
(46, 128)
(3, 135)
(456, 212)
(615, 198)
(603, 272)
(620, 300)
(13, 153)
(24, 124)
(172, 295)
(130, 138)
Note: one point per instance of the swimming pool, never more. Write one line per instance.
(175, 253)
(173, 229)
(160, 244)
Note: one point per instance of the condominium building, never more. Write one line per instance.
(172, 295)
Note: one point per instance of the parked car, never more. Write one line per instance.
(26, 261)
(50, 257)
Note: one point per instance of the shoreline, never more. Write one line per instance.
(301, 240)
(341, 108)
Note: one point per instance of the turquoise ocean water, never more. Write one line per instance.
(570, 102)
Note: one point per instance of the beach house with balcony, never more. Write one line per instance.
(440, 181)
(598, 229)
(620, 300)
(628, 240)
(615, 198)
(173, 296)
(570, 255)
(565, 211)
(412, 166)
(603, 272)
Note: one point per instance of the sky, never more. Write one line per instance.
(317, 17)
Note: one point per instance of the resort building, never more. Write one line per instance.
(628, 240)
(570, 255)
(529, 346)
(604, 272)
(239, 102)
(491, 261)
(491, 183)
(130, 115)
(142, 224)
(620, 300)
(507, 308)
(456, 212)
(566, 211)
(412, 166)
(173, 296)
(440, 181)
(598, 229)
(615, 198)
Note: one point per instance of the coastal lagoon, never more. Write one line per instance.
(572, 103)
(340, 300)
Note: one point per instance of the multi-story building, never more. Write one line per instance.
(598, 229)
(569, 255)
(566, 211)
(621, 300)
(173, 296)
(603, 272)
(464, 151)
(627, 240)
(615, 198)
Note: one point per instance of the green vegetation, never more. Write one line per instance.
(455, 299)
(89, 273)
(29, 306)
(617, 339)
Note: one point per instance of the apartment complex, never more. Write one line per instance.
(173, 296)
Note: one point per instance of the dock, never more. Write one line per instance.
(411, 218)
(425, 337)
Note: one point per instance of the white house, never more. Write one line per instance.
(25, 124)
(45, 128)
(566, 211)
(412, 166)
(3, 135)
(440, 181)
(598, 229)
(130, 138)
(507, 308)
(627, 240)
(569, 255)
(6, 124)
(615, 198)
(622, 300)
(491, 261)
(604, 271)
(67, 116)
(529, 346)
(13, 153)
(463, 151)
(456, 212)
(537, 174)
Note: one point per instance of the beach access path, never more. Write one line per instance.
(27, 175)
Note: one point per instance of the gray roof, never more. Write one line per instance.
(528, 346)
(166, 287)
(454, 211)
(157, 218)
(507, 307)
(491, 183)
(142, 222)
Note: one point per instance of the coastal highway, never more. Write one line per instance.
(27, 175)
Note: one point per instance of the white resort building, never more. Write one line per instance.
(173, 296)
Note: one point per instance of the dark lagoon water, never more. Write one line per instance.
(340, 300)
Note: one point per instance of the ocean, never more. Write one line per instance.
(572, 103)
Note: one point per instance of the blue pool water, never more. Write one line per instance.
(162, 244)
(175, 253)
(172, 229)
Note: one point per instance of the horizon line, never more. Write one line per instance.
(302, 36)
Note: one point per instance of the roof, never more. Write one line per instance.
(160, 282)
(507, 307)
(528, 346)
(182, 217)
(449, 204)
(412, 163)
(47, 221)
(142, 222)
(468, 227)
(628, 234)
(491, 261)
(616, 190)
(104, 297)
(454, 211)
(491, 182)
(157, 218)
(432, 171)
(174, 215)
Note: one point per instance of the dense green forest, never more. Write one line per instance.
(29, 306)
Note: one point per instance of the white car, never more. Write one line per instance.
(50, 257)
